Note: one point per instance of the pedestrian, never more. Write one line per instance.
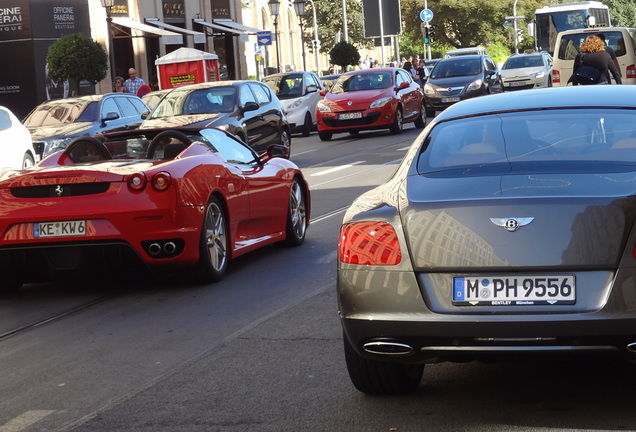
(408, 66)
(611, 52)
(422, 72)
(119, 85)
(133, 83)
(593, 65)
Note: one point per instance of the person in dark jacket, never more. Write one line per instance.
(594, 54)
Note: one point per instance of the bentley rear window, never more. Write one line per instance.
(571, 135)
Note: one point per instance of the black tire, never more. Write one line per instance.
(285, 140)
(27, 161)
(549, 81)
(325, 136)
(10, 284)
(307, 125)
(165, 137)
(381, 378)
(296, 227)
(398, 125)
(214, 244)
(420, 121)
(430, 113)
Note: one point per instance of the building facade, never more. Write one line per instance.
(135, 33)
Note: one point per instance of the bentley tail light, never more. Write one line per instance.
(369, 243)
(161, 181)
(137, 181)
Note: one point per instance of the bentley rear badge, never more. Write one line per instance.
(510, 223)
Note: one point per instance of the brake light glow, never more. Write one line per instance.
(161, 181)
(556, 76)
(137, 181)
(369, 243)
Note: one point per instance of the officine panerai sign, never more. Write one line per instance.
(15, 22)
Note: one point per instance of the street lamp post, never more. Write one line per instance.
(313, 6)
(274, 10)
(108, 4)
(299, 6)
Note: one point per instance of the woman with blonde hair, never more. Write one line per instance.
(119, 85)
(593, 65)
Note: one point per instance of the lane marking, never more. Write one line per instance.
(338, 168)
(25, 420)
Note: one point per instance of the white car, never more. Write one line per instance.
(527, 71)
(16, 147)
(298, 92)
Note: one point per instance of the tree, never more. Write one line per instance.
(622, 12)
(77, 57)
(344, 54)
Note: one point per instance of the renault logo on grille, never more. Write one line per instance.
(510, 223)
(59, 191)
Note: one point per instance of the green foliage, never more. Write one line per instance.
(622, 12)
(498, 51)
(330, 21)
(77, 57)
(344, 54)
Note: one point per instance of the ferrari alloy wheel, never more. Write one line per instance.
(420, 121)
(381, 378)
(214, 246)
(296, 216)
(399, 122)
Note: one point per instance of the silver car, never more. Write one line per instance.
(298, 92)
(507, 230)
(527, 71)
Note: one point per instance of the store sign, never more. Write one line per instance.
(173, 10)
(14, 20)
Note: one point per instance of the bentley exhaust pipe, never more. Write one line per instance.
(631, 347)
(388, 348)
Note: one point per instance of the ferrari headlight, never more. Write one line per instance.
(475, 85)
(379, 103)
(323, 107)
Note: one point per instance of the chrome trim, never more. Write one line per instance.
(391, 348)
(544, 348)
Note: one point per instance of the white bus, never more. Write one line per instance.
(552, 19)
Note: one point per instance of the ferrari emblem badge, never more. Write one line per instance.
(59, 191)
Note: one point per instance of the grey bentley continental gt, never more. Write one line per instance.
(508, 230)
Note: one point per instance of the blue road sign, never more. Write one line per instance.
(264, 38)
(426, 15)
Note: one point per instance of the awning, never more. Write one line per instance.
(217, 27)
(237, 26)
(167, 37)
(199, 37)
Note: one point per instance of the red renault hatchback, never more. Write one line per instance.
(379, 98)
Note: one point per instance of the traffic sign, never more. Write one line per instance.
(426, 15)
(264, 38)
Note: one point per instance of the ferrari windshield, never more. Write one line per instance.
(362, 81)
(566, 135)
(56, 113)
(203, 101)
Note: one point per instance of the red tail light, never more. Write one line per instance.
(137, 181)
(631, 71)
(556, 76)
(161, 181)
(369, 243)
